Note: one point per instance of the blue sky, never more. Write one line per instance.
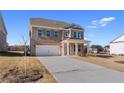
(101, 27)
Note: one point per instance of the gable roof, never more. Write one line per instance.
(118, 39)
(48, 22)
(74, 26)
(2, 25)
(54, 24)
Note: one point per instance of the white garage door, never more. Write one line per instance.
(47, 50)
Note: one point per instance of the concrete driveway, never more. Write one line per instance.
(70, 70)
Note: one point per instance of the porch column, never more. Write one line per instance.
(88, 46)
(63, 49)
(76, 49)
(67, 48)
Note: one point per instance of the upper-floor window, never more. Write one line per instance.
(40, 33)
(74, 34)
(56, 34)
(77, 35)
(48, 33)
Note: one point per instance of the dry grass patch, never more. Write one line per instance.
(23, 69)
(109, 62)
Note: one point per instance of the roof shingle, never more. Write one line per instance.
(48, 22)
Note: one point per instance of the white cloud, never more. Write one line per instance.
(102, 22)
(108, 19)
(105, 21)
(94, 22)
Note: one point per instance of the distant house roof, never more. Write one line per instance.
(52, 23)
(118, 39)
(2, 25)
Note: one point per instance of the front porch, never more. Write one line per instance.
(72, 47)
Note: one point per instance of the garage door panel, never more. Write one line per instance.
(47, 50)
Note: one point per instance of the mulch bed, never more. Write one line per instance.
(20, 76)
(121, 62)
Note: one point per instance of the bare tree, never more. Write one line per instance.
(25, 40)
(25, 44)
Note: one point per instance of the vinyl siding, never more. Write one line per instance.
(117, 48)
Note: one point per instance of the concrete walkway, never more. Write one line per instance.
(70, 70)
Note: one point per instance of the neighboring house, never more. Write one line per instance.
(107, 49)
(117, 46)
(50, 38)
(94, 50)
(3, 35)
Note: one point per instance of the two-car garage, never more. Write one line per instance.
(47, 50)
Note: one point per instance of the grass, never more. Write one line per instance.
(13, 68)
(108, 62)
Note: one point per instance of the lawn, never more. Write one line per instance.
(19, 69)
(114, 62)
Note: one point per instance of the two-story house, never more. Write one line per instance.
(3, 35)
(51, 38)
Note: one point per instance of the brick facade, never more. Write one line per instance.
(35, 40)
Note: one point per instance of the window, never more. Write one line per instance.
(40, 33)
(74, 34)
(48, 33)
(56, 34)
(77, 35)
